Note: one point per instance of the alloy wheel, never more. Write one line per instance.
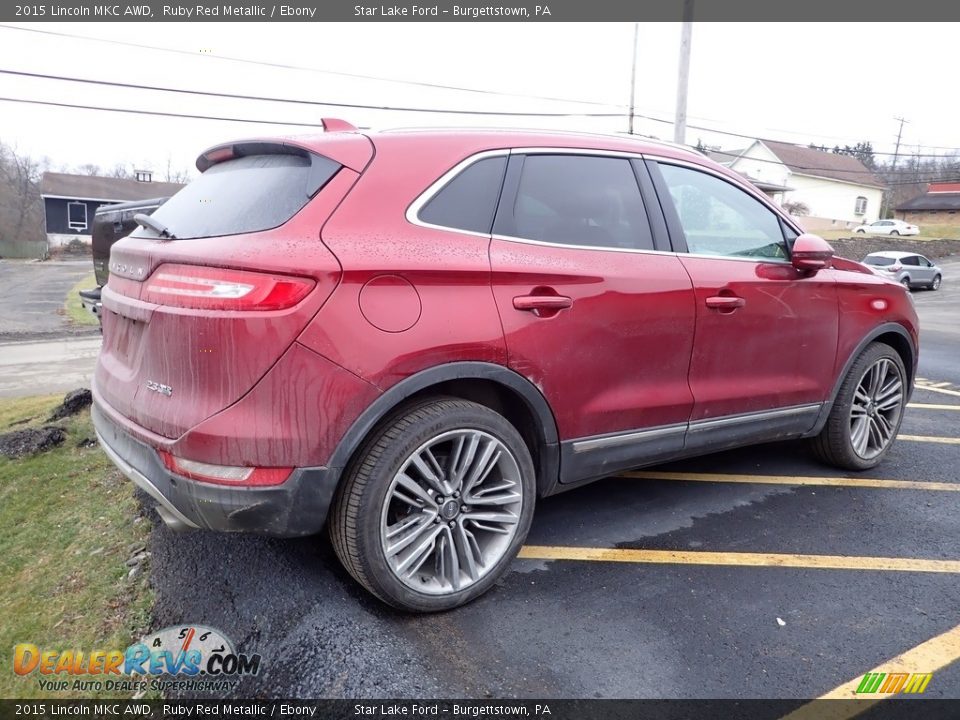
(451, 511)
(876, 408)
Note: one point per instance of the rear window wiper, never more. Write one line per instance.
(145, 221)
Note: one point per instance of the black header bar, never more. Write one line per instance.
(853, 11)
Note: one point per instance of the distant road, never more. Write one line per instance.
(47, 366)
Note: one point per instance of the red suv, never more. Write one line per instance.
(411, 336)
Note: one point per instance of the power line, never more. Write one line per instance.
(314, 103)
(286, 66)
(192, 116)
(157, 113)
(390, 108)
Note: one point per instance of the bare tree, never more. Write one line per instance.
(89, 169)
(175, 176)
(21, 207)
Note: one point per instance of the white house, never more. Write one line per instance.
(837, 190)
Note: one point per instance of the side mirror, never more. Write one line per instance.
(811, 253)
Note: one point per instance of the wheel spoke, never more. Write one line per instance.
(468, 551)
(447, 563)
(884, 428)
(494, 494)
(413, 559)
(427, 467)
(405, 533)
(414, 490)
(481, 467)
(879, 375)
(504, 518)
(859, 435)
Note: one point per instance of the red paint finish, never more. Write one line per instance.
(617, 357)
(775, 349)
(614, 341)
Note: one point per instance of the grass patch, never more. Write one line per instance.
(74, 308)
(67, 527)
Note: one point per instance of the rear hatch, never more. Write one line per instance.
(210, 293)
(110, 224)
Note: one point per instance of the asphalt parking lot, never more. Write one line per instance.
(752, 573)
(31, 295)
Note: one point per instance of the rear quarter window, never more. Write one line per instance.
(469, 200)
(244, 195)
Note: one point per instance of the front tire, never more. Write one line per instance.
(435, 506)
(935, 285)
(866, 413)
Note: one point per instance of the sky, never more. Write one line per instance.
(828, 83)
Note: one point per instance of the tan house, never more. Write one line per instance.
(939, 205)
(838, 191)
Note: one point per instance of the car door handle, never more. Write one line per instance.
(725, 302)
(537, 303)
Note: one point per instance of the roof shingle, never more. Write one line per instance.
(807, 161)
(94, 187)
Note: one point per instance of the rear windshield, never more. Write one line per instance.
(873, 260)
(244, 195)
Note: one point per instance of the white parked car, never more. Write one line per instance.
(887, 227)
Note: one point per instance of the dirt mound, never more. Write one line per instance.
(29, 442)
(74, 402)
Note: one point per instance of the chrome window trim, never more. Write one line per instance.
(413, 210)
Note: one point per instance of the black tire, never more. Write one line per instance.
(935, 285)
(834, 445)
(359, 505)
(905, 281)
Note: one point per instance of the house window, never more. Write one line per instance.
(77, 215)
(861, 206)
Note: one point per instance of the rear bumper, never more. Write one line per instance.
(295, 508)
(90, 299)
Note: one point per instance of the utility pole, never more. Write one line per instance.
(885, 205)
(633, 75)
(896, 150)
(680, 120)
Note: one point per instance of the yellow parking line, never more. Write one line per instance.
(746, 559)
(931, 388)
(930, 439)
(927, 657)
(938, 384)
(925, 406)
(790, 480)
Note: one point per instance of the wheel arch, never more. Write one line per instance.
(892, 334)
(488, 384)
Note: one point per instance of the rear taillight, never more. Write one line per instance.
(209, 288)
(224, 474)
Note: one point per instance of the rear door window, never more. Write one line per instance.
(580, 200)
(244, 195)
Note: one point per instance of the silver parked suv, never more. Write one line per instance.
(908, 269)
